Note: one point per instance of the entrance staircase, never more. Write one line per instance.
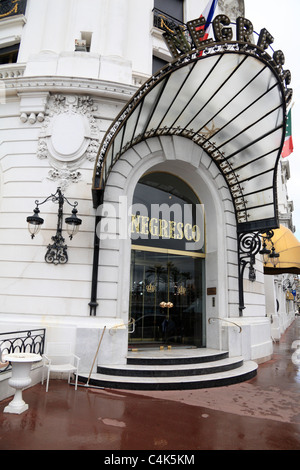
(173, 369)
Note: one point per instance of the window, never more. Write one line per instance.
(9, 55)
(173, 8)
(158, 64)
(87, 37)
(167, 15)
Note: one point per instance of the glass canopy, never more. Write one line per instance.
(229, 100)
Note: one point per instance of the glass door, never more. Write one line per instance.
(166, 298)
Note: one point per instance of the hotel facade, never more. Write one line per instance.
(163, 146)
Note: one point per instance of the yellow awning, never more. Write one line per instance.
(288, 247)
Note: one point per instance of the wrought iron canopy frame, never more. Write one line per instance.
(230, 99)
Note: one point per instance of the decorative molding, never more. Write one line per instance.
(64, 177)
(99, 88)
(11, 71)
(69, 136)
(33, 106)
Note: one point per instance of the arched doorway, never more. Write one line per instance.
(167, 277)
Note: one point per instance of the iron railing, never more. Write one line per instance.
(9, 8)
(30, 341)
(165, 22)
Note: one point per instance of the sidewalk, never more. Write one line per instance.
(261, 414)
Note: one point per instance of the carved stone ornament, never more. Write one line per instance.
(69, 136)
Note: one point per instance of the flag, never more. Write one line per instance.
(288, 143)
(208, 14)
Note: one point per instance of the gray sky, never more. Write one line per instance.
(281, 19)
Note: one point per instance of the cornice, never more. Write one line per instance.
(97, 88)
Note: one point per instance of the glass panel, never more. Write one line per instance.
(174, 83)
(198, 89)
(262, 147)
(261, 198)
(130, 125)
(261, 128)
(167, 299)
(118, 142)
(150, 102)
(108, 162)
(236, 116)
(262, 163)
(262, 213)
(221, 87)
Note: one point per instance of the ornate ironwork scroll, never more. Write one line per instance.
(249, 245)
(32, 341)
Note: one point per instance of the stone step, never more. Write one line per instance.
(174, 356)
(172, 370)
(244, 372)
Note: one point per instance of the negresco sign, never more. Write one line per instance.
(179, 43)
(162, 228)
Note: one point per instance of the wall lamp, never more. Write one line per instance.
(269, 256)
(57, 251)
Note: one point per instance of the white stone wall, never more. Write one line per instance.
(28, 285)
(35, 158)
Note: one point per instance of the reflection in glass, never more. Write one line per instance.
(166, 299)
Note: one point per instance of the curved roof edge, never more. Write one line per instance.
(231, 100)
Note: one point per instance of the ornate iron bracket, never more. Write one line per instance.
(57, 251)
(249, 245)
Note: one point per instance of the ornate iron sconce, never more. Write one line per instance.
(249, 245)
(269, 255)
(57, 251)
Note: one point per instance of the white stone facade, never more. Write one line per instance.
(56, 105)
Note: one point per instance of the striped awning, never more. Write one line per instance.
(230, 100)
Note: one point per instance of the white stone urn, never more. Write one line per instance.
(20, 379)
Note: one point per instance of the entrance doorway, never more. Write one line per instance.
(167, 263)
(167, 298)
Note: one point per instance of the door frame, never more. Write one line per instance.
(200, 340)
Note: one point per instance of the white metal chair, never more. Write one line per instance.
(59, 358)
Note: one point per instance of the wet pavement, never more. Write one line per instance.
(261, 414)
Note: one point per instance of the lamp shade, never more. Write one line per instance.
(34, 222)
(265, 253)
(73, 223)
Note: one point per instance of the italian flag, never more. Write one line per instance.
(288, 143)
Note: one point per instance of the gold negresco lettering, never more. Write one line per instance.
(166, 229)
(178, 44)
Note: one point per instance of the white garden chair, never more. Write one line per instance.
(59, 358)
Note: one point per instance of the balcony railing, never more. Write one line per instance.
(166, 22)
(32, 341)
(9, 8)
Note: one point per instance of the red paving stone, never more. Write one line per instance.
(261, 414)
